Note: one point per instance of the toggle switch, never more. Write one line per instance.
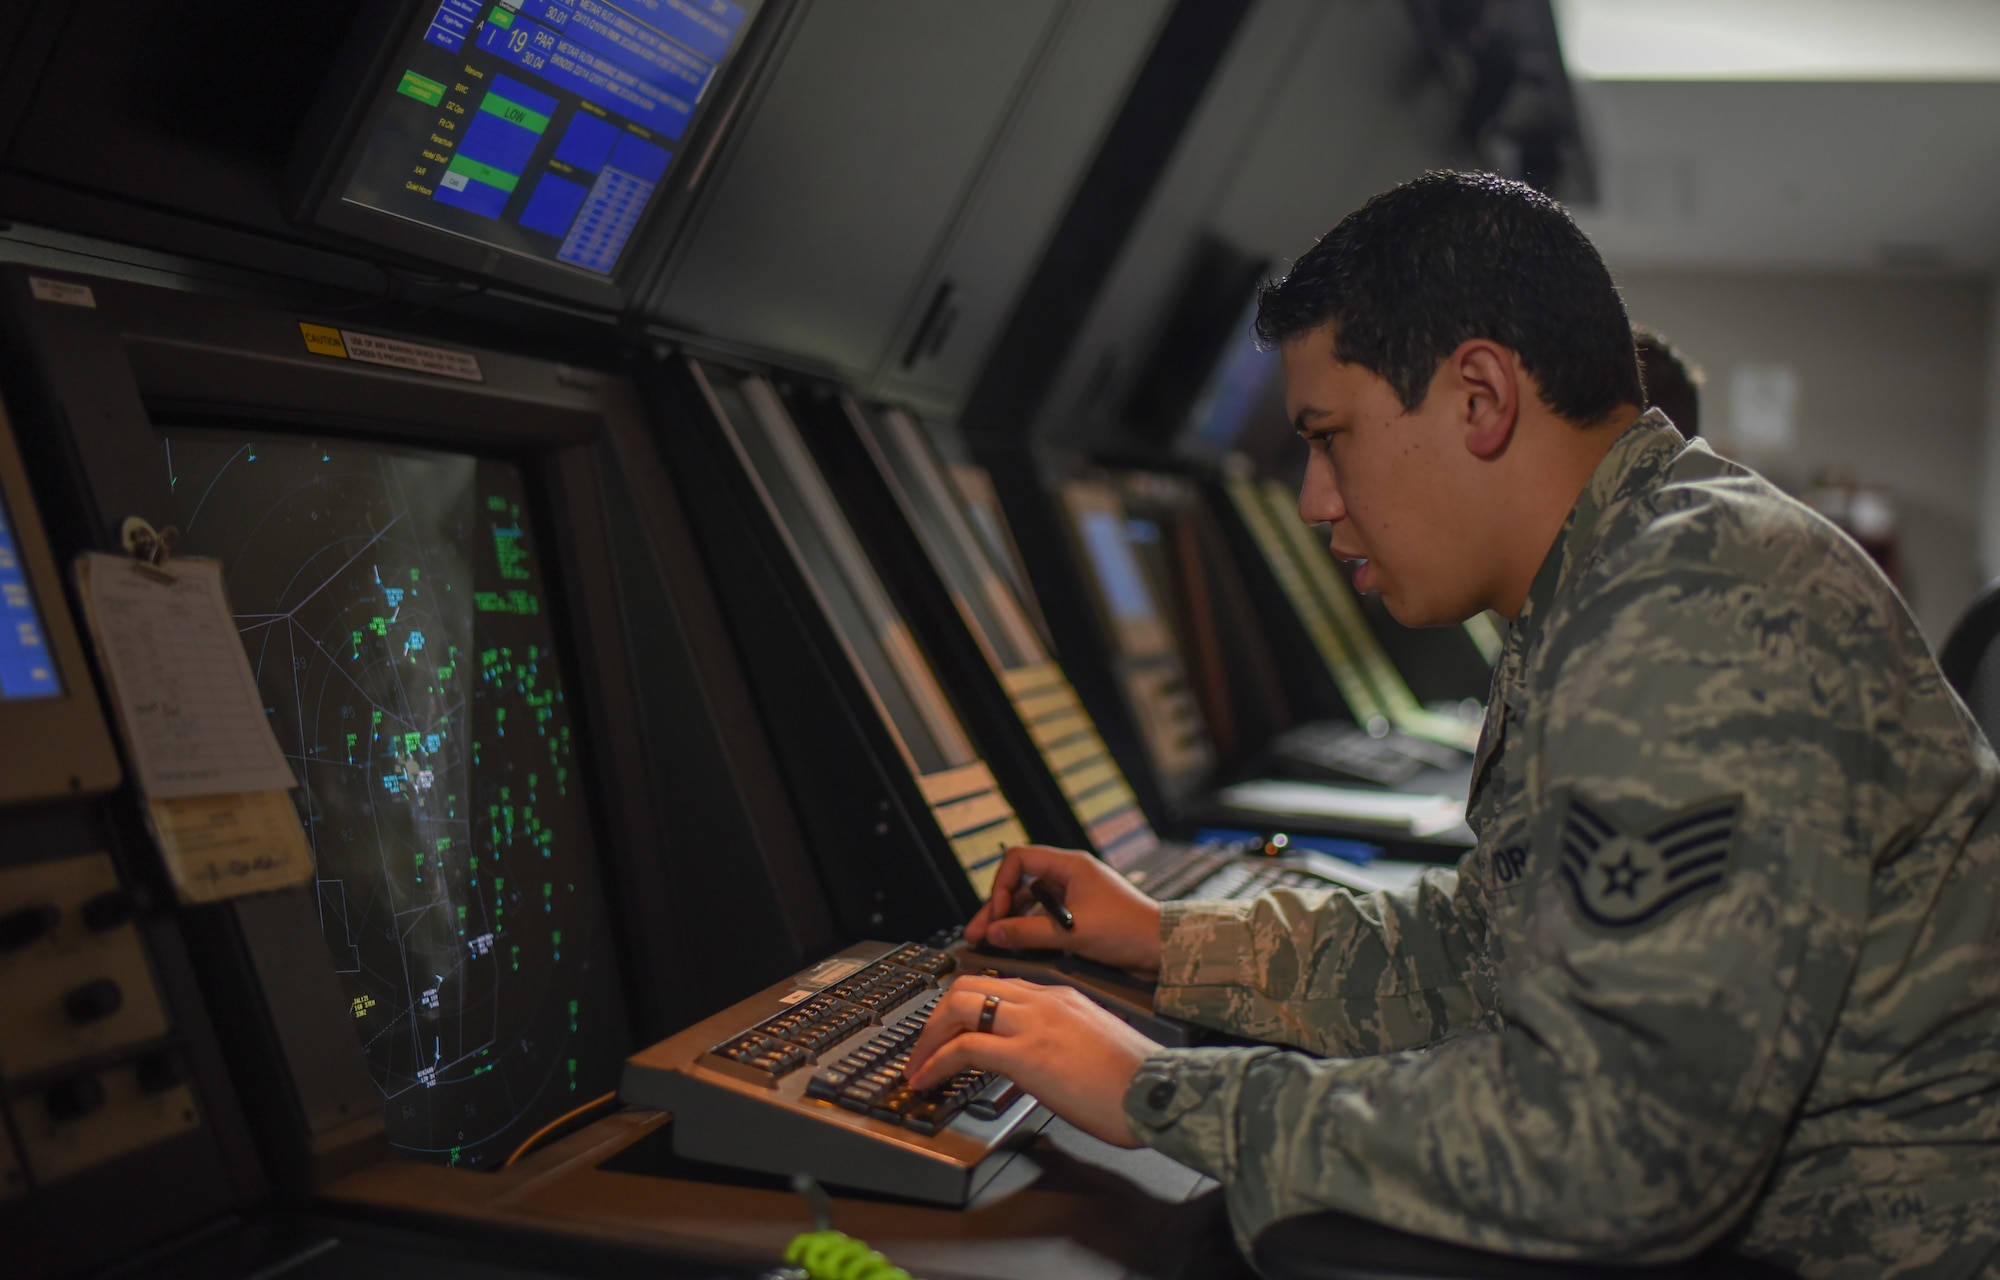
(74, 1098)
(99, 998)
(28, 925)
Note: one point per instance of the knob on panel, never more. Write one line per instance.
(26, 926)
(74, 1098)
(75, 980)
(108, 910)
(98, 998)
(161, 1071)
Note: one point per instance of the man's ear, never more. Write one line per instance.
(1490, 389)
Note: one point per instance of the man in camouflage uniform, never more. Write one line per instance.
(1725, 964)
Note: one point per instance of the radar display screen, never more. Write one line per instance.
(393, 605)
(545, 128)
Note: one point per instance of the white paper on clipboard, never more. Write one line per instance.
(193, 717)
(210, 770)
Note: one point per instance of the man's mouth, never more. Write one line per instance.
(1356, 565)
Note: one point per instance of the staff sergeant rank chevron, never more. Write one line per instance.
(1618, 880)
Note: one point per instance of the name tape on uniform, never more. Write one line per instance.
(346, 344)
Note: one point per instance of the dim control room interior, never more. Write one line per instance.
(549, 547)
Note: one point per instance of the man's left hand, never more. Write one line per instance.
(1055, 1043)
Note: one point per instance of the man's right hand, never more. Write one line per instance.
(1116, 924)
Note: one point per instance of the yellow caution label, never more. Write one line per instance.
(323, 341)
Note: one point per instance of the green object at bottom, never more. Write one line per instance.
(835, 1255)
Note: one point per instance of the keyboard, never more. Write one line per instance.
(1233, 870)
(807, 1077)
(1236, 870)
(1239, 881)
(1390, 760)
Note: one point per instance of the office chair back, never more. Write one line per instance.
(1971, 660)
(1336, 1246)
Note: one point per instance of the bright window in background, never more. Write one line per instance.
(1892, 40)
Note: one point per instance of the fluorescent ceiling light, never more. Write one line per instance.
(1898, 40)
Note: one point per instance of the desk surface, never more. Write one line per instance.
(1067, 1206)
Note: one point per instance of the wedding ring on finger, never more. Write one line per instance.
(986, 1012)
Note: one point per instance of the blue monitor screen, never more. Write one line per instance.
(26, 669)
(1235, 387)
(542, 127)
(1118, 572)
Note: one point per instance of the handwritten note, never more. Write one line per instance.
(220, 846)
(194, 721)
(214, 779)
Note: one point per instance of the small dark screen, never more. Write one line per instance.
(395, 611)
(542, 127)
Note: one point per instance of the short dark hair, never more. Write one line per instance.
(1672, 382)
(1449, 257)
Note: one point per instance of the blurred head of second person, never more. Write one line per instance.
(1673, 383)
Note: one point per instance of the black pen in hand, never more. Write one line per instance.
(1052, 904)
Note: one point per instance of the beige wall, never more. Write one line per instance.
(1989, 470)
(1892, 390)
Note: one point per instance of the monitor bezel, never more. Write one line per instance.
(329, 146)
(810, 694)
(102, 375)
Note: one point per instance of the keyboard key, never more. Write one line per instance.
(930, 1114)
(767, 1057)
(993, 1099)
(924, 959)
(827, 1084)
(893, 1104)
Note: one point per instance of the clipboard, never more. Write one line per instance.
(215, 784)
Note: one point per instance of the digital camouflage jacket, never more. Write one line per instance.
(1724, 965)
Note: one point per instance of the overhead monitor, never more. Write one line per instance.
(46, 698)
(529, 139)
(397, 613)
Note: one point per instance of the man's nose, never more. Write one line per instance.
(1319, 495)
